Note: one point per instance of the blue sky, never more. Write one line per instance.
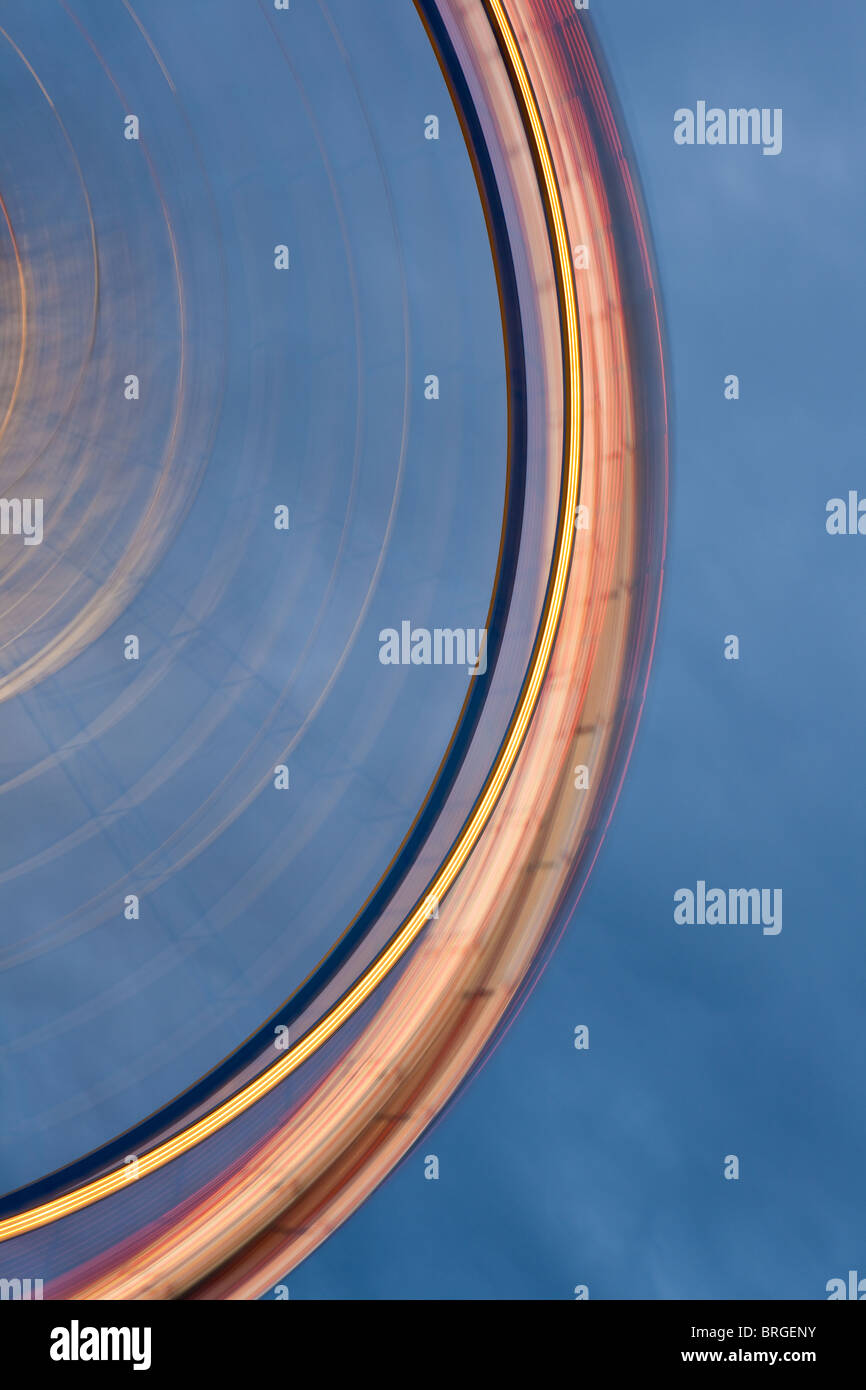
(605, 1167)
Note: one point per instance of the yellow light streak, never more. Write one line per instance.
(229, 1110)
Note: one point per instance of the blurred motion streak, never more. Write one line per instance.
(436, 995)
